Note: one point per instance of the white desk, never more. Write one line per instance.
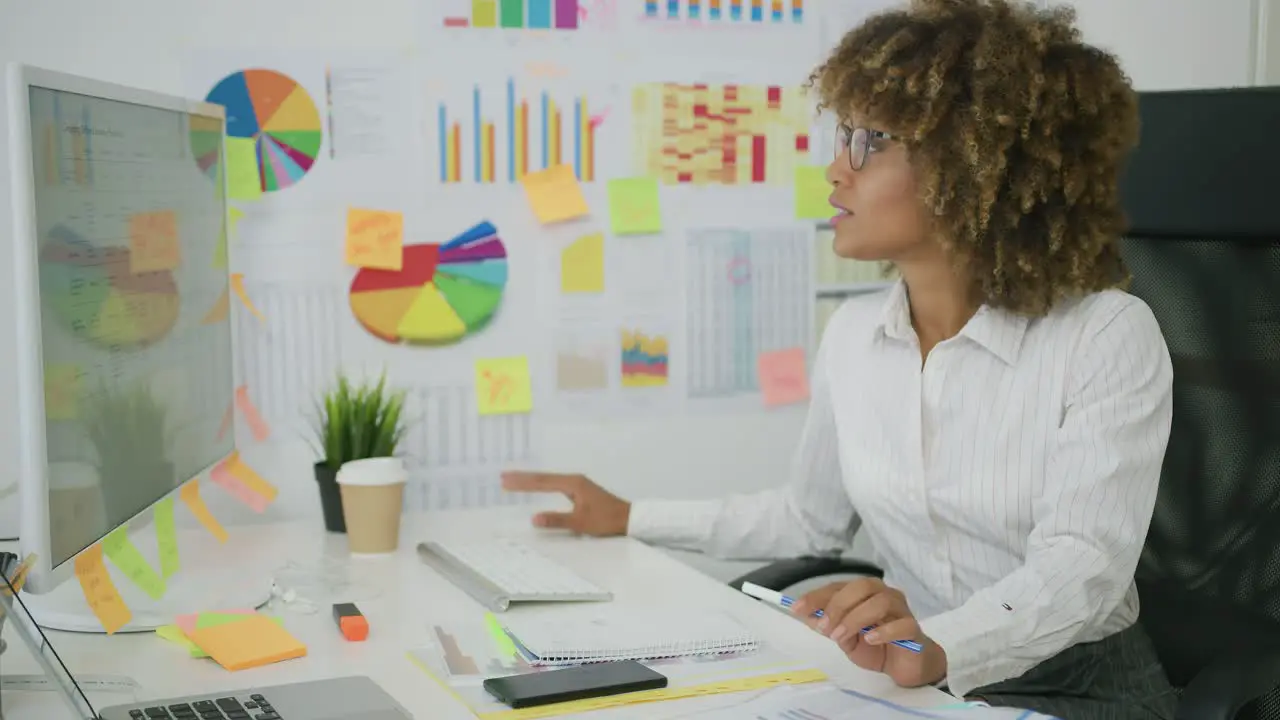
(409, 595)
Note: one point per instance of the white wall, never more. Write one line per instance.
(1163, 43)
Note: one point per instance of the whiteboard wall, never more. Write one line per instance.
(289, 248)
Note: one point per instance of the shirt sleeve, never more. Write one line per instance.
(1092, 520)
(810, 515)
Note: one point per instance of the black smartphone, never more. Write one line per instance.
(574, 683)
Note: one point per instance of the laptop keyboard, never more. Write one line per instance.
(256, 707)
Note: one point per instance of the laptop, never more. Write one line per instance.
(342, 698)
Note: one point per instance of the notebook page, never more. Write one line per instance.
(615, 633)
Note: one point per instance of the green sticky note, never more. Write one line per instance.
(634, 207)
(166, 537)
(812, 193)
(505, 646)
(244, 176)
(126, 556)
(214, 619)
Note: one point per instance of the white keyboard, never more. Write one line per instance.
(500, 572)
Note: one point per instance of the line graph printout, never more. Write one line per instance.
(457, 454)
(706, 134)
(747, 292)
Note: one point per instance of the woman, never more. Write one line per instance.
(996, 422)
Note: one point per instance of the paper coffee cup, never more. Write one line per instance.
(372, 500)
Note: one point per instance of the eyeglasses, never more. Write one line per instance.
(855, 142)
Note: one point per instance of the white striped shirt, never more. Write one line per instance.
(1006, 486)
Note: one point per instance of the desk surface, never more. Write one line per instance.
(402, 598)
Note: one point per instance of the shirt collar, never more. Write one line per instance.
(999, 331)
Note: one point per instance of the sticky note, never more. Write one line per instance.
(582, 265)
(375, 238)
(252, 642)
(243, 180)
(812, 193)
(190, 494)
(230, 228)
(220, 310)
(237, 284)
(499, 635)
(126, 556)
(174, 634)
(227, 417)
(62, 391)
(99, 591)
(633, 206)
(166, 537)
(257, 425)
(503, 386)
(784, 379)
(191, 621)
(554, 194)
(153, 242)
(244, 483)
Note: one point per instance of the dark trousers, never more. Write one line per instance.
(1116, 678)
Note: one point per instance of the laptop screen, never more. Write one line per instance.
(17, 624)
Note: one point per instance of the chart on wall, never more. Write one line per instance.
(704, 134)
(97, 295)
(274, 133)
(442, 293)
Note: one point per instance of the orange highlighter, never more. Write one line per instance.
(351, 621)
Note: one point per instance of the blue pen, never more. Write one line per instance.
(773, 596)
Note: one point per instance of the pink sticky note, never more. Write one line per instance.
(222, 475)
(257, 425)
(784, 380)
(187, 623)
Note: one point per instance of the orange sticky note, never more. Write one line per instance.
(375, 238)
(99, 591)
(153, 242)
(244, 483)
(237, 284)
(257, 425)
(190, 494)
(554, 194)
(783, 377)
(218, 313)
(254, 641)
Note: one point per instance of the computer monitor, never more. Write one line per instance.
(124, 362)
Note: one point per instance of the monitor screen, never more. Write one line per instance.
(130, 213)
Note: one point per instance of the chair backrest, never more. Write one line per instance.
(1202, 195)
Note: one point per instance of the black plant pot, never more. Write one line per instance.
(330, 498)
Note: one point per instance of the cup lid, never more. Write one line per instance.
(373, 471)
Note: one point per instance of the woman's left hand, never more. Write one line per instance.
(868, 603)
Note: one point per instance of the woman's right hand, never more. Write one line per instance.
(596, 511)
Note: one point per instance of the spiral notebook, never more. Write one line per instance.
(601, 635)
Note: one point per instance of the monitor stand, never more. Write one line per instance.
(213, 577)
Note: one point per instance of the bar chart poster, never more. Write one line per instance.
(720, 134)
(499, 132)
(725, 11)
(512, 14)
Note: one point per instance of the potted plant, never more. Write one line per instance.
(127, 427)
(353, 422)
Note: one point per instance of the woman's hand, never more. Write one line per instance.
(868, 603)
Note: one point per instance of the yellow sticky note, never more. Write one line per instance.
(375, 239)
(166, 537)
(254, 641)
(244, 181)
(153, 242)
(503, 386)
(190, 494)
(812, 193)
(582, 265)
(633, 206)
(555, 194)
(99, 591)
(237, 284)
(230, 228)
(126, 556)
(62, 392)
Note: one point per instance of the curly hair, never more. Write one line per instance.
(1017, 131)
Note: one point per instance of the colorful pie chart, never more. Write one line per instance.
(442, 293)
(92, 291)
(272, 122)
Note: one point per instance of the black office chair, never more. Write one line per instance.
(1203, 198)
